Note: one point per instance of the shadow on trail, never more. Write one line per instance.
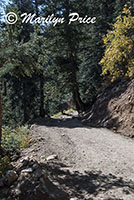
(62, 184)
(90, 183)
(60, 122)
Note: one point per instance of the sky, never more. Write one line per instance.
(2, 9)
(6, 1)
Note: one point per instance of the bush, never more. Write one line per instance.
(4, 165)
(15, 139)
(12, 141)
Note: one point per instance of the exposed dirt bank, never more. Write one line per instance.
(114, 109)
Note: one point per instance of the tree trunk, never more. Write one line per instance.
(0, 119)
(42, 112)
(25, 112)
(80, 107)
(36, 8)
(5, 88)
(73, 63)
(77, 100)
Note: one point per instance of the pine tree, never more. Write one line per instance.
(18, 55)
(90, 70)
(65, 43)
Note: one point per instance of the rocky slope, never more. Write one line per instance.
(114, 109)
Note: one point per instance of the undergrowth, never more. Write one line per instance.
(12, 141)
(15, 139)
(60, 113)
(4, 165)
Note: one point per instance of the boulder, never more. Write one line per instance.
(51, 157)
(29, 170)
(2, 182)
(11, 177)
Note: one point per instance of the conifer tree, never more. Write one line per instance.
(65, 43)
(18, 56)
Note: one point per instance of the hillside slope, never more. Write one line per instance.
(114, 109)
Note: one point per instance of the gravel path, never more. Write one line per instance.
(94, 164)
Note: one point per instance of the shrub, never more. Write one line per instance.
(15, 139)
(4, 165)
(12, 141)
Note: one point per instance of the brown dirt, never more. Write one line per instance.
(114, 109)
(92, 164)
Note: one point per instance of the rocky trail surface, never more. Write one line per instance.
(89, 163)
(82, 163)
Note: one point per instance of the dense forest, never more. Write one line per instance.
(66, 99)
(46, 67)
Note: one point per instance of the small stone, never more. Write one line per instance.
(105, 124)
(52, 157)
(33, 126)
(41, 139)
(115, 129)
(127, 192)
(132, 119)
(29, 170)
(38, 173)
(45, 176)
(25, 158)
(10, 177)
(109, 123)
(17, 192)
(43, 158)
(24, 161)
(2, 182)
(35, 166)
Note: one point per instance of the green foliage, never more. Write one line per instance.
(89, 69)
(4, 165)
(20, 99)
(16, 139)
(19, 53)
(12, 141)
(118, 60)
(60, 113)
(23, 57)
(18, 58)
(51, 65)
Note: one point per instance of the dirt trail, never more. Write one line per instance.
(93, 164)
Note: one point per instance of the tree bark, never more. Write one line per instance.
(5, 88)
(36, 8)
(0, 119)
(72, 60)
(25, 112)
(80, 106)
(42, 111)
(77, 100)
